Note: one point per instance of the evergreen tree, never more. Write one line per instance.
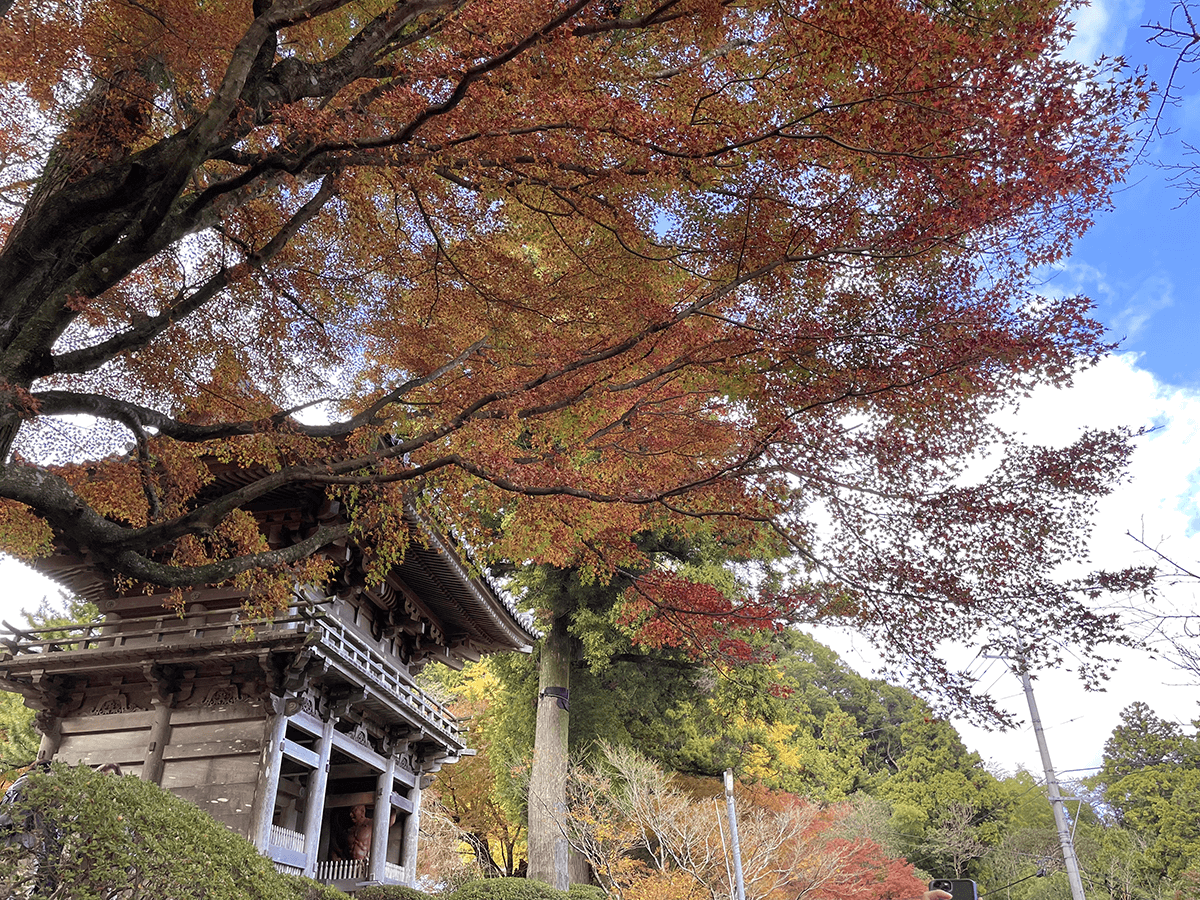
(19, 738)
(948, 807)
(1150, 781)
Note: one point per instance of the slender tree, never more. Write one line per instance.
(580, 612)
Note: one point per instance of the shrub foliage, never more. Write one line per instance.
(76, 834)
(508, 889)
(391, 892)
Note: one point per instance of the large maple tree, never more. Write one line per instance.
(568, 270)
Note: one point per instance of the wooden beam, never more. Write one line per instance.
(358, 798)
(466, 649)
(355, 750)
(210, 749)
(400, 802)
(300, 754)
(350, 770)
(159, 601)
(307, 722)
(411, 596)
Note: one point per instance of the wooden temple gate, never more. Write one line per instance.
(305, 733)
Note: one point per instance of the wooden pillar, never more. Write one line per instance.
(268, 780)
(160, 733)
(51, 728)
(314, 810)
(412, 831)
(384, 785)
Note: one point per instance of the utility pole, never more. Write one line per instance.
(1056, 802)
(734, 845)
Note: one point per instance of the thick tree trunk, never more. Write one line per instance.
(578, 870)
(548, 850)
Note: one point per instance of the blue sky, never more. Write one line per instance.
(1139, 263)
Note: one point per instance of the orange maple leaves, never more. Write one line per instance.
(573, 270)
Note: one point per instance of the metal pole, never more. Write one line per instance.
(724, 849)
(735, 847)
(1056, 803)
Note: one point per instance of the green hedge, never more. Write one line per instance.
(586, 892)
(391, 892)
(507, 889)
(307, 889)
(514, 889)
(91, 836)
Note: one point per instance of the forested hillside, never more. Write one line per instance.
(869, 761)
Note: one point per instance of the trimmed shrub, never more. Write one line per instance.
(507, 889)
(586, 892)
(391, 892)
(307, 889)
(73, 832)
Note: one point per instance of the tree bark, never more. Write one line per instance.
(548, 849)
(478, 842)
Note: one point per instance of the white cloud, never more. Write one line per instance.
(1188, 117)
(1091, 25)
(24, 590)
(1129, 308)
(1102, 27)
(1077, 277)
(1154, 294)
(1158, 500)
